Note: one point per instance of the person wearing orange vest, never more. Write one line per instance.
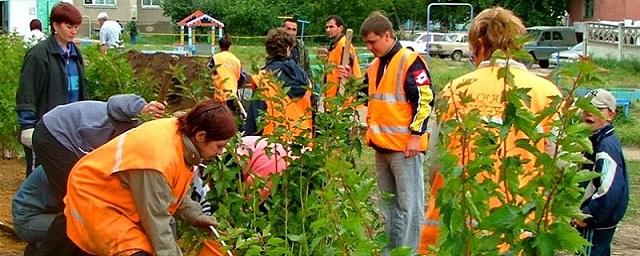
(227, 73)
(493, 29)
(121, 196)
(297, 103)
(400, 102)
(334, 28)
(63, 136)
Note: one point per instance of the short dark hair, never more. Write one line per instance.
(35, 24)
(292, 20)
(339, 21)
(278, 39)
(376, 23)
(64, 12)
(211, 116)
(225, 43)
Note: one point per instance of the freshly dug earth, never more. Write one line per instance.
(163, 69)
(11, 176)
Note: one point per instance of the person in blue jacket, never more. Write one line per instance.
(63, 136)
(606, 197)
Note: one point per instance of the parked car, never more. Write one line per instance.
(420, 41)
(567, 56)
(454, 45)
(547, 40)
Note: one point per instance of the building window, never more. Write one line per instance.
(151, 3)
(588, 8)
(100, 2)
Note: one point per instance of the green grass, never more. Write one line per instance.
(620, 74)
(628, 127)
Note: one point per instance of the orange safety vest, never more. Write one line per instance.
(390, 113)
(334, 57)
(101, 214)
(297, 112)
(486, 89)
(225, 81)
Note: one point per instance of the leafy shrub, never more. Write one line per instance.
(321, 204)
(532, 218)
(12, 51)
(111, 74)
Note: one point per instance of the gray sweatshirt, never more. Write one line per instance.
(83, 126)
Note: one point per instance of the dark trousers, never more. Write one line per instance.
(600, 240)
(56, 160)
(57, 243)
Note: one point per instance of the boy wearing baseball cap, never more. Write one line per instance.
(606, 197)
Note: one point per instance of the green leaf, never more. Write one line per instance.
(254, 250)
(585, 175)
(501, 218)
(402, 251)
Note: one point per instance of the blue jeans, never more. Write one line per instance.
(403, 211)
(34, 207)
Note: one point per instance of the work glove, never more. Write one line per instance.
(26, 137)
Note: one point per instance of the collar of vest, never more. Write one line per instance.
(502, 63)
(333, 43)
(191, 154)
(391, 52)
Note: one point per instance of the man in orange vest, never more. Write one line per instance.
(400, 101)
(491, 30)
(288, 74)
(228, 75)
(122, 195)
(334, 28)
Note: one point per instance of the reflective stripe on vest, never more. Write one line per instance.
(390, 112)
(389, 129)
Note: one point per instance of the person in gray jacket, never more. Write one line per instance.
(63, 136)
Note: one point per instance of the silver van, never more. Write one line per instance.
(547, 40)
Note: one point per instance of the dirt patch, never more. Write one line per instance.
(164, 71)
(631, 153)
(11, 176)
(626, 239)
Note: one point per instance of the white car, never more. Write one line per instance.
(454, 45)
(420, 41)
(567, 56)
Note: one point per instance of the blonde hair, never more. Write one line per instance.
(495, 28)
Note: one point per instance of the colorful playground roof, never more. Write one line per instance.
(200, 19)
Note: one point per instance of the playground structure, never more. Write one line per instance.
(198, 19)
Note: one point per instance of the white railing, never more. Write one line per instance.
(602, 40)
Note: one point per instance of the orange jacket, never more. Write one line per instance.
(390, 114)
(486, 89)
(334, 57)
(101, 214)
(297, 112)
(225, 81)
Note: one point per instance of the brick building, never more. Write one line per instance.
(603, 10)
